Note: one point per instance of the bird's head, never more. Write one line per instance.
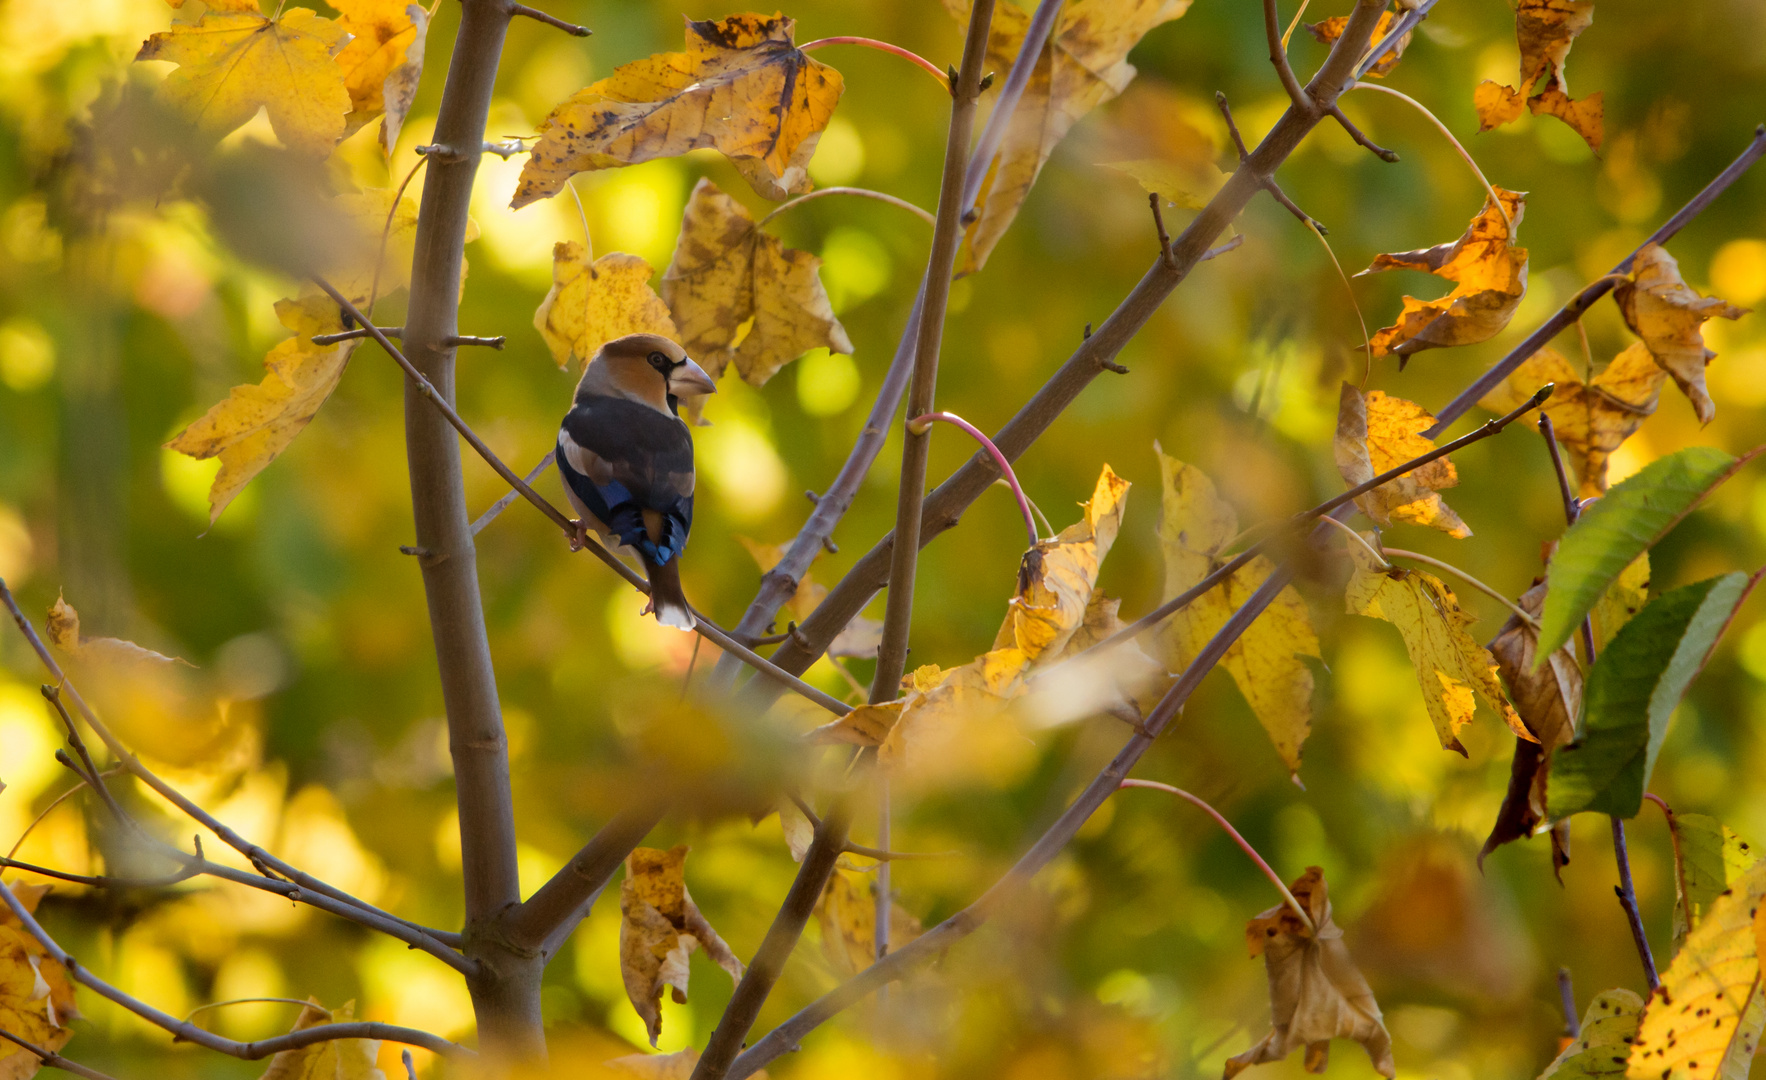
(645, 367)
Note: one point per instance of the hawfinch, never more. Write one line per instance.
(627, 460)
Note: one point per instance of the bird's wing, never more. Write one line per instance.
(622, 458)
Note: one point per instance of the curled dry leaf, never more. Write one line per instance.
(1082, 66)
(590, 304)
(799, 833)
(63, 632)
(1704, 1021)
(1381, 432)
(1593, 419)
(1316, 994)
(1709, 859)
(1666, 313)
(1056, 577)
(36, 995)
(1545, 30)
(1450, 665)
(1329, 30)
(257, 422)
(740, 295)
(742, 87)
(847, 913)
(232, 63)
(383, 62)
(1489, 275)
(338, 1059)
(1195, 527)
(659, 928)
(1608, 1028)
(1548, 699)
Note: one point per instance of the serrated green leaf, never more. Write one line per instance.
(1632, 517)
(1708, 859)
(1632, 693)
(1603, 1046)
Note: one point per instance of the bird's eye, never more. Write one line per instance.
(659, 362)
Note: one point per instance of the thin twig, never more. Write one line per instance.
(1495, 594)
(1627, 894)
(1566, 491)
(410, 1065)
(1567, 998)
(456, 341)
(356, 332)
(1269, 184)
(502, 504)
(1159, 226)
(1405, 24)
(1343, 121)
(1278, 55)
(1036, 37)
(249, 1051)
(550, 20)
(919, 426)
(1457, 146)
(1244, 844)
(866, 193)
(1216, 252)
(882, 46)
(53, 1059)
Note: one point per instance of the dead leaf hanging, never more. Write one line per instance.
(1450, 665)
(1265, 663)
(1661, 309)
(1327, 32)
(1489, 276)
(1545, 30)
(382, 62)
(1316, 993)
(742, 87)
(659, 928)
(1083, 65)
(36, 995)
(232, 63)
(1380, 432)
(1056, 577)
(1590, 420)
(590, 304)
(740, 295)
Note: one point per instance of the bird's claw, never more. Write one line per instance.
(580, 539)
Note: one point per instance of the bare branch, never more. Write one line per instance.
(1269, 185)
(1272, 29)
(1159, 227)
(502, 504)
(1036, 36)
(550, 20)
(1627, 894)
(1355, 133)
(354, 333)
(53, 1059)
(187, 1032)
(496, 343)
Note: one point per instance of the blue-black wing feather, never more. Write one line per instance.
(649, 463)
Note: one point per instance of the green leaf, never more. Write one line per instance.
(1708, 859)
(1605, 1042)
(1632, 693)
(1618, 528)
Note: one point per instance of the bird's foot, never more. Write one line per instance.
(649, 606)
(581, 538)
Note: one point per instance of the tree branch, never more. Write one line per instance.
(187, 1032)
(53, 1059)
(550, 20)
(1272, 30)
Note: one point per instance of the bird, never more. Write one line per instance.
(627, 460)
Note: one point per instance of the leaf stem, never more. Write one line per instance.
(919, 425)
(867, 193)
(1464, 156)
(1313, 228)
(1378, 556)
(884, 46)
(1520, 612)
(1244, 844)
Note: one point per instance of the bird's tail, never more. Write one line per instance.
(666, 598)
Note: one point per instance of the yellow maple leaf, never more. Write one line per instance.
(1122, 681)
(1450, 665)
(1327, 31)
(1316, 993)
(232, 63)
(1195, 528)
(1661, 309)
(1593, 419)
(1082, 66)
(741, 296)
(1545, 30)
(36, 995)
(741, 87)
(1056, 577)
(590, 304)
(847, 912)
(338, 1059)
(382, 62)
(659, 928)
(258, 421)
(1704, 1021)
(1489, 276)
(1380, 432)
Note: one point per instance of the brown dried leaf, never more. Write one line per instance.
(36, 995)
(1490, 277)
(1056, 577)
(1545, 30)
(847, 912)
(383, 62)
(591, 304)
(1548, 700)
(1316, 994)
(738, 294)
(1196, 525)
(339, 1059)
(1661, 309)
(1590, 420)
(1329, 30)
(660, 926)
(741, 87)
(1381, 432)
(1082, 66)
(1450, 665)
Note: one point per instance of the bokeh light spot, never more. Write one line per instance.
(827, 382)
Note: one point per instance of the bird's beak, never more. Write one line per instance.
(690, 378)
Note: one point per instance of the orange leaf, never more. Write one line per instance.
(1490, 277)
(1329, 30)
(1545, 30)
(1380, 432)
(383, 62)
(1661, 309)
